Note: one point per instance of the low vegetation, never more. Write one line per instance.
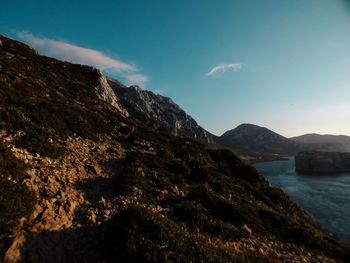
(201, 195)
(49, 100)
(16, 201)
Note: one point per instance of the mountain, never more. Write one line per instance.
(159, 112)
(249, 137)
(255, 139)
(82, 180)
(326, 138)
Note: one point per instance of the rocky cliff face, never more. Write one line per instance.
(106, 93)
(322, 162)
(80, 182)
(159, 112)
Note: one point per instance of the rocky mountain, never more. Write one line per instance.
(80, 181)
(342, 140)
(159, 112)
(249, 137)
(256, 139)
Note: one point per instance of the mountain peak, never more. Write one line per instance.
(254, 138)
(158, 111)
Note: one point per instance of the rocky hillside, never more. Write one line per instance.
(159, 112)
(253, 138)
(82, 182)
(341, 140)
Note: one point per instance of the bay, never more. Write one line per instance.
(326, 197)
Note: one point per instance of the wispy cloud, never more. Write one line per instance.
(81, 55)
(135, 78)
(222, 68)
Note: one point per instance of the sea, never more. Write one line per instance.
(326, 197)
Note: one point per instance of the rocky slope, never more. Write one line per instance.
(322, 162)
(341, 140)
(253, 138)
(82, 182)
(159, 112)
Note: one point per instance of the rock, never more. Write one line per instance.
(31, 173)
(107, 94)
(322, 162)
(96, 169)
(246, 230)
(37, 211)
(93, 217)
(274, 256)
(46, 161)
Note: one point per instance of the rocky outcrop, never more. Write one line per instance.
(322, 162)
(159, 112)
(107, 94)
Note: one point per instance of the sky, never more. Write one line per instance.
(284, 65)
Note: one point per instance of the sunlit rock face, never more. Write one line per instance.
(107, 94)
(322, 162)
(159, 112)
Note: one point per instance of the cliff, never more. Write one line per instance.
(159, 112)
(322, 162)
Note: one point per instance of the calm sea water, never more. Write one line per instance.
(326, 197)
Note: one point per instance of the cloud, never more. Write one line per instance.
(222, 68)
(137, 79)
(81, 55)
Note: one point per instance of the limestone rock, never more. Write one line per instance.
(160, 112)
(107, 94)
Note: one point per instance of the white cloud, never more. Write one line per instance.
(136, 79)
(80, 55)
(222, 68)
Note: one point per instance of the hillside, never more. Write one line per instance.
(342, 140)
(82, 180)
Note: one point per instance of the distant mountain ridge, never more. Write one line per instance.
(253, 138)
(159, 112)
(324, 138)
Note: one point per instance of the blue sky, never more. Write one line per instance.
(284, 64)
